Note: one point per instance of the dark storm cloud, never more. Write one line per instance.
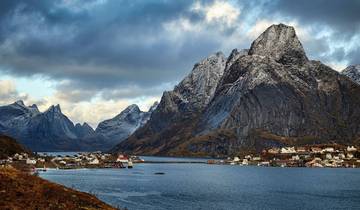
(103, 45)
(112, 43)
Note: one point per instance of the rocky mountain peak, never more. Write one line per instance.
(154, 106)
(281, 43)
(353, 72)
(234, 55)
(133, 108)
(20, 103)
(198, 87)
(54, 109)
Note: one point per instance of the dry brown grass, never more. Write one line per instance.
(19, 190)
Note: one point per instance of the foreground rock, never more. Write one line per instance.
(22, 191)
(271, 95)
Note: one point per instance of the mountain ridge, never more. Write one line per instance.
(273, 88)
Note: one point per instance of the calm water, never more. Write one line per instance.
(201, 186)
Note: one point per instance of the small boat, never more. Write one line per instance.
(130, 164)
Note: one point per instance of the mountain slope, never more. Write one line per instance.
(19, 190)
(178, 109)
(353, 72)
(47, 131)
(273, 91)
(9, 147)
(112, 131)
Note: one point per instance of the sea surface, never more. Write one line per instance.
(201, 186)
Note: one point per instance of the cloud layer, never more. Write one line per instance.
(115, 52)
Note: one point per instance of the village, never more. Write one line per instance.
(42, 162)
(332, 156)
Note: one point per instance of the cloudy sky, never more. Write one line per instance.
(95, 57)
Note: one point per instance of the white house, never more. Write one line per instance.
(30, 161)
(288, 150)
(94, 161)
(351, 149)
(329, 149)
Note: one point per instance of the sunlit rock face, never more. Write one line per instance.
(271, 94)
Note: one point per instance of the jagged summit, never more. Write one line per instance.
(353, 72)
(20, 102)
(281, 43)
(154, 106)
(54, 109)
(198, 87)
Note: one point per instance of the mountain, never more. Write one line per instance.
(271, 94)
(47, 131)
(113, 131)
(53, 131)
(84, 130)
(353, 72)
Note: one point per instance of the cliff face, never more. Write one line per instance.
(271, 95)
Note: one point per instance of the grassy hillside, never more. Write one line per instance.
(19, 190)
(9, 146)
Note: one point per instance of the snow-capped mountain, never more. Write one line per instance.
(353, 72)
(269, 94)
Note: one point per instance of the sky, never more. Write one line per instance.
(96, 57)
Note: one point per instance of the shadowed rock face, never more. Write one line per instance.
(353, 72)
(272, 95)
(47, 131)
(53, 131)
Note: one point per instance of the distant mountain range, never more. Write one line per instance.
(269, 95)
(53, 131)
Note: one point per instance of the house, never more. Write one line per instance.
(274, 151)
(62, 162)
(316, 149)
(94, 161)
(328, 156)
(288, 150)
(236, 159)
(245, 162)
(295, 157)
(256, 158)
(301, 149)
(248, 157)
(351, 149)
(30, 161)
(341, 156)
(328, 149)
(349, 155)
(122, 159)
